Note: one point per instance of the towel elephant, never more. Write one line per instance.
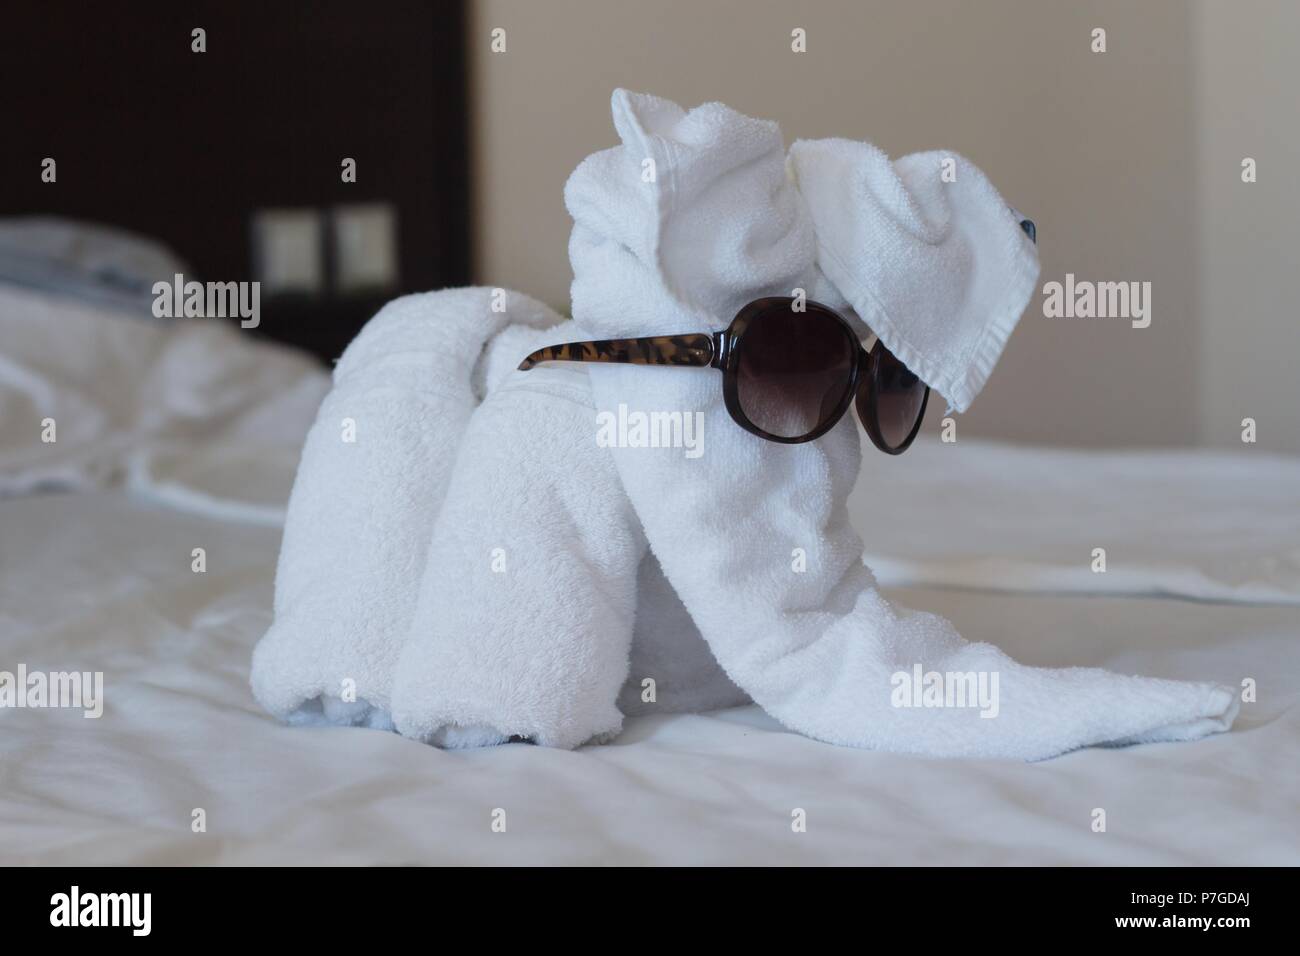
(477, 565)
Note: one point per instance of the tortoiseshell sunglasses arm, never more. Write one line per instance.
(697, 348)
(692, 349)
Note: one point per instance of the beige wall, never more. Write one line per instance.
(1102, 150)
(1249, 105)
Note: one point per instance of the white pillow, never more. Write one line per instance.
(88, 261)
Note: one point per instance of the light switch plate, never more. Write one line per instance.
(287, 251)
(365, 246)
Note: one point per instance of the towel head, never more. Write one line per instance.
(925, 251)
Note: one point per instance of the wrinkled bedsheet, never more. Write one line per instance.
(103, 581)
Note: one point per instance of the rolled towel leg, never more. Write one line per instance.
(754, 536)
(373, 474)
(525, 614)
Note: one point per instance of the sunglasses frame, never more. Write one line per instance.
(722, 350)
(865, 362)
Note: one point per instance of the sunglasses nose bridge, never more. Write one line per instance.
(862, 370)
(862, 381)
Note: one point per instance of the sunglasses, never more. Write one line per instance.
(787, 376)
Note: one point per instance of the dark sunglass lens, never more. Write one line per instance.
(793, 370)
(900, 399)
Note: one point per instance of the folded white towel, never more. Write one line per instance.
(373, 475)
(524, 620)
(670, 239)
(820, 649)
(926, 252)
(538, 586)
(467, 570)
(470, 572)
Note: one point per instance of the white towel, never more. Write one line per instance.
(539, 599)
(925, 251)
(524, 622)
(820, 649)
(373, 475)
(470, 571)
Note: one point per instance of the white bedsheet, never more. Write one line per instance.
(102, 581)
(204, 424)
(88, 393)
(1211, 525)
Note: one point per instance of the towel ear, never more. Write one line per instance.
(637, 116)
(641, 120)
(689, 219)
(938, 266)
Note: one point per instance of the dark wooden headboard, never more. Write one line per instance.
(184, 146)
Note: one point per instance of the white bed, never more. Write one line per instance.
(96, 543)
